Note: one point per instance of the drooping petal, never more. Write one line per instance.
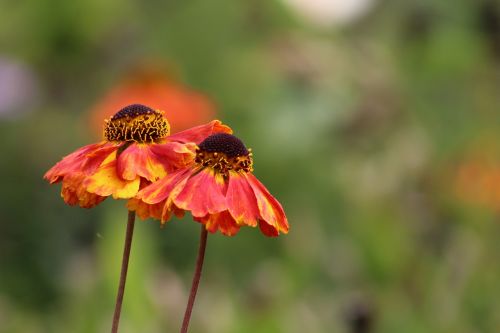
(163, 189)
(203, 194)
(74, 193)
(199, 133)
(68, 193)
(105, 181)
(241, 201)
(95, 158)
(72, 162)
(168, 210)
(144, 210)
(267, 229)
(270, 209)
(137, 160)
(222, 221)
(174, 155)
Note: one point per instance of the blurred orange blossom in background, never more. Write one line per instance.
(150, 84)
(477, 175)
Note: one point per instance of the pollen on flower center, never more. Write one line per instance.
(224, 152)
(137, 123)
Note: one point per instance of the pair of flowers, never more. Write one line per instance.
(204, 170)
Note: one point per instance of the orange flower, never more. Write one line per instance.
(477, 181)
(219, 190)
(148, 84)
(137, 150)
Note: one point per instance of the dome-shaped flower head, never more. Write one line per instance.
(219, 189)
(137, 149)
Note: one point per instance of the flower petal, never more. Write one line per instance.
(198, 133)
(168, 210)
(144, 210)
(222, 221)
(95, 158)
(203, 194)
(174, 155)
(241, 201)
(72, 162)
(105, 181)
(270, 209)
(73, 192)
(138, 160)
(268, 229)
(163, 189)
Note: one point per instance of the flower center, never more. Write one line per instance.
(224, 152)
(137, 123)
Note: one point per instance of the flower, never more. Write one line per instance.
(149, 84)
(219, 190)
(477, 182)
(136, 151)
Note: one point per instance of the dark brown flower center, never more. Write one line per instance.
(137, 123)
(224, 152)
(224, 143)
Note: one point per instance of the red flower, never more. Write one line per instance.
(137, 150)
(219, 190)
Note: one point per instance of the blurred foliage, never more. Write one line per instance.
(378, 135)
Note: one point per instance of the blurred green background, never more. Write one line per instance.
(375, 123)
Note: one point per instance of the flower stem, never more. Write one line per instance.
(124, 269)
(196, 279)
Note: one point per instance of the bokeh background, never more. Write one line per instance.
(375, 123)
